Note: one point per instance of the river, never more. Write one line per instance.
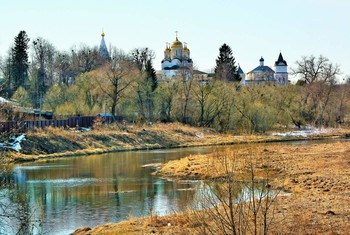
(92, 190)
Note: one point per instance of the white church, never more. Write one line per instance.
(177, 61)
(263, 73)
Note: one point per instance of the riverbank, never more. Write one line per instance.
(317, 177)
(56, 142)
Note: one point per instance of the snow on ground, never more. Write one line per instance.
(3, 100)
(302, 133)
(14, 143)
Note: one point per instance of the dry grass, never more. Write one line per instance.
(57, 142)
(317, 176)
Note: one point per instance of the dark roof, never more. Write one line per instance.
(280, 60)
(240, 71)
(262, 69)
(261, 59)
(198, 72)
(172, 67)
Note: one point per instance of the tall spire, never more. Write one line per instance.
(280, 60)
(103, 48)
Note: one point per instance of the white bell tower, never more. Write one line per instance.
(281, 68)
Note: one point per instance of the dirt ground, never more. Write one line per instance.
(317, 177)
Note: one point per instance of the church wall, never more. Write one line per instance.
(281, 69)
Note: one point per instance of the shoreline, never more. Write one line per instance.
(54, 143)
(17, 157)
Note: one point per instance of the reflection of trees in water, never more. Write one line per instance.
(16, 214)
(92, 190)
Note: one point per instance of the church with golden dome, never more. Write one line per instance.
(177, 61)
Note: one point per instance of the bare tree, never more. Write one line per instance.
(202, 91)
(115, 78)
(146, 83)
(185, 83)
(312, 69)
(319, 75)
(168, 88)
(64, 68)
(236, 203)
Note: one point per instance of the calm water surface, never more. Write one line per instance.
(93, 190)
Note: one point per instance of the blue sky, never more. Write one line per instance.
(252, 28)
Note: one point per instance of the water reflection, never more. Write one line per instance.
(93, 190)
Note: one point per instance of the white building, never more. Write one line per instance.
(281, 75)
(264, 73)
(177, 61)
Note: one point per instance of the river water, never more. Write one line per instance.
(92, 190)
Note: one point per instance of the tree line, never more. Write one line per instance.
(81, 82)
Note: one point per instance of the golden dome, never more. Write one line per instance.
(167, 50)
(186, 49)
(176, 44)
(103, 34)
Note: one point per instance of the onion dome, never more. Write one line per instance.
(185, 48)
(261, 61)
(167, 50)
(103, 34)
(176, 44)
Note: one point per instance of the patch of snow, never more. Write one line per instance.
(301, 133)
(3, 100)
(199, 135)
(13, 143)
(82, 129)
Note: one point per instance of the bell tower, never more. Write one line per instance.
(281, 68)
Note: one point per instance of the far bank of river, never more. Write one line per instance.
(57, 143)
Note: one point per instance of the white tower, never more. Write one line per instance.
(281, 75)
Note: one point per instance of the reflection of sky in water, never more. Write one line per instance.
(93, 190)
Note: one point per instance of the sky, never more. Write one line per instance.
(251, 28)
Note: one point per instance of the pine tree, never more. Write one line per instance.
(226, 69)
(151, 75)
(20, 61)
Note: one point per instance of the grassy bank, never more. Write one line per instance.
(316, 176)
(56, 142)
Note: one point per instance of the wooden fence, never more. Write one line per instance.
(73, 121)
